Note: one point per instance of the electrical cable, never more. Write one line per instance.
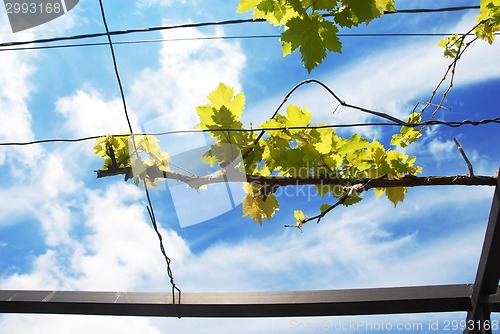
(206, 24)
(454, 124)
(149, 207)
(162, 40)
(394, 122)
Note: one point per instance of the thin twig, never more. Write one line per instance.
(322, 214)
(452, 68)
(467, 161)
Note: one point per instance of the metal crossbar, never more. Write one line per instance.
(440, 298)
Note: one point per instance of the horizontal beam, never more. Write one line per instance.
(421, 299)
(494, 302)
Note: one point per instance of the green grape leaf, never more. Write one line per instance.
(205, 114)
(395, 194)
(224, 96)
(386, 5)
(299, 6)
(275, 12)
(356, 142)
(250, 208)
(223, 118)
(297, 116)
(378, 191)
(254, 206)
(364, 10)
(299, 217)
(100, 146)
(328, 5)
(209, 158)
(408, 135)
(313, 35)
(269, 206)
(246, 5)
(324, 146)
(324, 207)
(352, 200)
(397, 140)
(451, 45)
(489, 15)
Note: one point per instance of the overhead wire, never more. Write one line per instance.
(394, 121)
(149, 207)
(454, 124)
(206, 24)
(163, 40)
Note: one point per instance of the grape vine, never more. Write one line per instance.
(291, 152)
(312, 26)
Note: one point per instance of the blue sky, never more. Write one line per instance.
(62, 229)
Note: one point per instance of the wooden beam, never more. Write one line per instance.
(443, 298)
(488, 272)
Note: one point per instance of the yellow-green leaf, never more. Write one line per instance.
(378, 191)
(299, 217)
(246, 5)
(313, 35)
(250, 208)
(395, 194)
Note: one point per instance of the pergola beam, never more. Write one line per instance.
(478, 299)
(442, 298)
(488, 272)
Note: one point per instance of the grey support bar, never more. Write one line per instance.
(442, 298)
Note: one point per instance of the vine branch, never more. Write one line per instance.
(467, 161)
(451, 68)
(273, 181)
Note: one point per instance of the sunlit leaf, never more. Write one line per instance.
(395, 194)
(313, 36)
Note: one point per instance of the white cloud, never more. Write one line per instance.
(46, 273)
(147, 3)
(87, 113)
(46, 324)
(163, 98)
(442, 150)
(54, 176)
(189, 70)
(55, 220)
(15, 90)
(123, 242)
(120, 250)
(354, 247)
